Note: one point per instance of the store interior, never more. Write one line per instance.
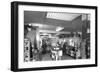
(54, 36)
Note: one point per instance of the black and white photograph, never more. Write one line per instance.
(53, 36)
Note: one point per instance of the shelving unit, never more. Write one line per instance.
(26, 50)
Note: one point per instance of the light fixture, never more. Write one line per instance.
(59, 28)
(30, 24)
(36, 24)
(62, 16)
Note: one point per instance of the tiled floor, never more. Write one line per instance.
(47, 57)
(66, 57)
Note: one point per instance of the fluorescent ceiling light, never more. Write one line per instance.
(62, 16)
(30, 24)
(59, 28)
(37, 24)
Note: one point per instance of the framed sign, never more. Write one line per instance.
(52, 36)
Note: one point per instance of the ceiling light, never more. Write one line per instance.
(59, 28)
(37, 24)
(30, 24)
(62, 16)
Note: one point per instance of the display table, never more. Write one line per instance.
(56, 54)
